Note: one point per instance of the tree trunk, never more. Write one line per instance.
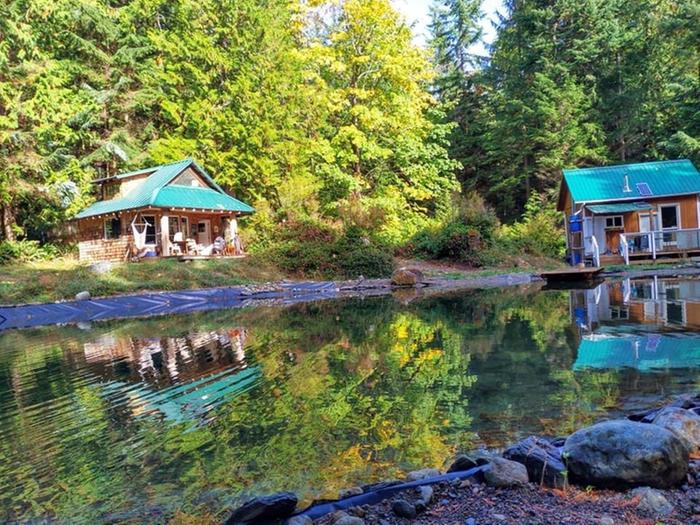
(7, 222)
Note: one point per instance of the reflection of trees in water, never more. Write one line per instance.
(348, 391)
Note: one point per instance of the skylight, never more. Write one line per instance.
(644, 189)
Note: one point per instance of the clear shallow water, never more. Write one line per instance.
(133, 421)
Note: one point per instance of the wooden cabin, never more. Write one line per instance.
(631, 213)
(171, 210)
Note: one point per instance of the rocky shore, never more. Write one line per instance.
(644, 469)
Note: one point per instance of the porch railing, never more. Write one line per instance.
(596, 251)
(659, 242)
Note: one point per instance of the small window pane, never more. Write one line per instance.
(150, 229)
(669, 217)
(113, 228)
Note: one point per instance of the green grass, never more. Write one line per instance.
(62, 279)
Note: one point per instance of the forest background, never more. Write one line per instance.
(353, 142)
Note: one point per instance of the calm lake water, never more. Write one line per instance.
(132, 421)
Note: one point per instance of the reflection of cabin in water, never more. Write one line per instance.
(633, 212)
(166, 360)
(648, 301)
(194, 373)
(638, 323)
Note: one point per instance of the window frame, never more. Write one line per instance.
(614, 226)
(110, 221)
(148, 218)
(678, 216)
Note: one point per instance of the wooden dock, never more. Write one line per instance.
(571, 275)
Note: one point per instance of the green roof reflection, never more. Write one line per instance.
(648, 352)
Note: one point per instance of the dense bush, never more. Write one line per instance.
(463, 236)
(314, 249)
(540, 232)
(23, 251)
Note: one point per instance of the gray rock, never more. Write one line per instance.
(542, 461)
(403, 509)
(426, 494)
(407, 277)
(624, 453)
(276, 506)
(299, 520)
(499, 517)
(652, 502)
(425, 473)
(470, 521)
(82, 296)
(505, 473)
(683, 423)
(350, 492)
(462, 463)
(101, 267)
(606, 520)
(346, 519)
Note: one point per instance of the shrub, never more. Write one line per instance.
(540, 232)
(456, 237)
(368, 261)
(317, 250)
(24, 251)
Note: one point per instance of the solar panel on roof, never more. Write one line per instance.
(644, 189)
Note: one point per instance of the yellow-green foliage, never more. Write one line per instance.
(540, 232)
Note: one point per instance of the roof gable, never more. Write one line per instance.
(156, 190)
(646, 180)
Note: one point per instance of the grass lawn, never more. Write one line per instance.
(61, 279)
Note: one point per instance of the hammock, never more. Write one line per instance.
(140, 235)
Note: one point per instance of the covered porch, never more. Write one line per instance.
(134, 235)
(624, 233)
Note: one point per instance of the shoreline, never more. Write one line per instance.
(603, 474)
(85, 309)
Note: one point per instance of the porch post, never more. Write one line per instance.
(233, 233)
(165, 235)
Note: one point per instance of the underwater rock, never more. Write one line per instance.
(275, 506)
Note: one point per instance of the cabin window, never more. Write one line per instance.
(110, 190)
(179, 224)
(113, 228)
(188, 178)
(614, 222)
(669, 217)
(150, 220)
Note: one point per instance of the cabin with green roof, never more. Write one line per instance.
(631, 212)
(175, 209)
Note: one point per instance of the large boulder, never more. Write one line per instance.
(683, 423)
(505, 473)
(542, 461)
(407, 277)
(276, 506)
(620, 454)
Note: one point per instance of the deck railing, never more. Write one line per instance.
(596, 251)
(659, 242)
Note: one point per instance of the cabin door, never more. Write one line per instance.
(204, 232)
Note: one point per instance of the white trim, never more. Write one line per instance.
(679, 219)
(640, 198)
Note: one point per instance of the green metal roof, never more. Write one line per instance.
(622, 207)
(664, 178)
(156, 190)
